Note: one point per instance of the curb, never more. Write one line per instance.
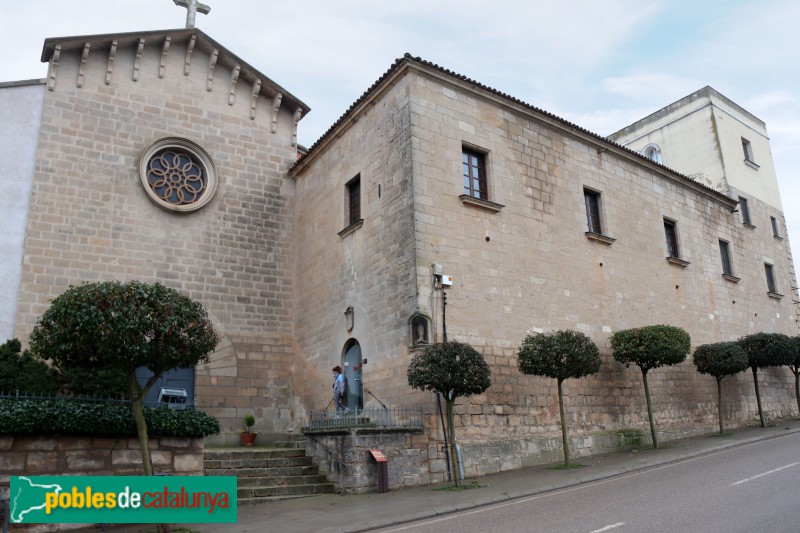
(507, 497)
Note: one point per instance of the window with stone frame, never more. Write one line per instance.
(747, 148)
(725, 255)
(591, 199)
(745, 210)
(671, 234)
(770, 272)
(474, 171)
(775, 228)
(353, 200)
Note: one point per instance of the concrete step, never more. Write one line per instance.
(252, 452)
(277, 471)
(285, 490)
(281, 480)
(234, 464)
(301, 470)
(254, 501)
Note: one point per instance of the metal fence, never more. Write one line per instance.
(372, 417)
(19, 395)
(166, 398)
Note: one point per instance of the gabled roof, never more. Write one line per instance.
(602, 143)
(203, 42)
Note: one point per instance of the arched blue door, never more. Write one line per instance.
(353, 375)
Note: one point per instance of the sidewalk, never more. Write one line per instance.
(333, 513)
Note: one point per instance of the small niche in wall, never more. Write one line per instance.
(419, 330)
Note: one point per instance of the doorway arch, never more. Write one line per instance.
(353, 375)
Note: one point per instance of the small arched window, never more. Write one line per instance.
(652, 152)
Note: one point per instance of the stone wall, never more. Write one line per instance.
(344, 457)
(62, 455)
(524, 264)
(369, 268)
(528, 266)
(90, 218)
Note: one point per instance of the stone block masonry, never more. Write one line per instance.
(90, 218)
(63, 455)
(344, 457)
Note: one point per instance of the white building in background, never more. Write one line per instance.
(714, 141)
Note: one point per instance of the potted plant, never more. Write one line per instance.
(248, 436)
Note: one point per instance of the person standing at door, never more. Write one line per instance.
(338, 389)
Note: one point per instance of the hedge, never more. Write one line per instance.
(75, 417)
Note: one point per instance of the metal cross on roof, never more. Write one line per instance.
(192, 7)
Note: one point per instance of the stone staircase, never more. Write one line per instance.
(275, 471)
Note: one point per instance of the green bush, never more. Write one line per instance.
(795, 368)
(452, 369)
(125, 326)
(74, 417)
(94, 382)
(21, 372)
(651, 347)
(764, 350)
(719, 360)
(559, 355)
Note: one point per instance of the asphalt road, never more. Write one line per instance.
(747, 489)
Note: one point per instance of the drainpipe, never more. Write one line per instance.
(438, 397)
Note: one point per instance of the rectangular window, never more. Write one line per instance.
(592, 200)
(354, 200)
(770, 278)
(745, 210)
(775, 231)
(725, 254)
(748, 150)
(474, 165)
(672, 238)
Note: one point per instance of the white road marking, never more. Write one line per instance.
(582, 486)
(612, 526)
(764, 474)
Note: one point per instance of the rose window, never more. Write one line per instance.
(177, 175)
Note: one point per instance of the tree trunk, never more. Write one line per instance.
(141, 426)
(649, 409)
(758, 397)
(719, 405)
(451, 428)
(796, 371)
(563, 424)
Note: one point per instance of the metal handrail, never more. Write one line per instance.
(18, 395)
(371, 417)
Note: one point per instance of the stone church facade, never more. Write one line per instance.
(338, 257)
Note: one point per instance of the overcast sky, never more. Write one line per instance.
(602, 64)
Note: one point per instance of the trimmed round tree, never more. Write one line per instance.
(764, 350)
(795, 368)
(719, 360)
(125, 326)
(452, 369)
(559, 355)
(651, 347)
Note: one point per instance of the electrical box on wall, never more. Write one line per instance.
(447, 281)
(437, 269)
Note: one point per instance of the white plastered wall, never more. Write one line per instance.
(20, 119)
